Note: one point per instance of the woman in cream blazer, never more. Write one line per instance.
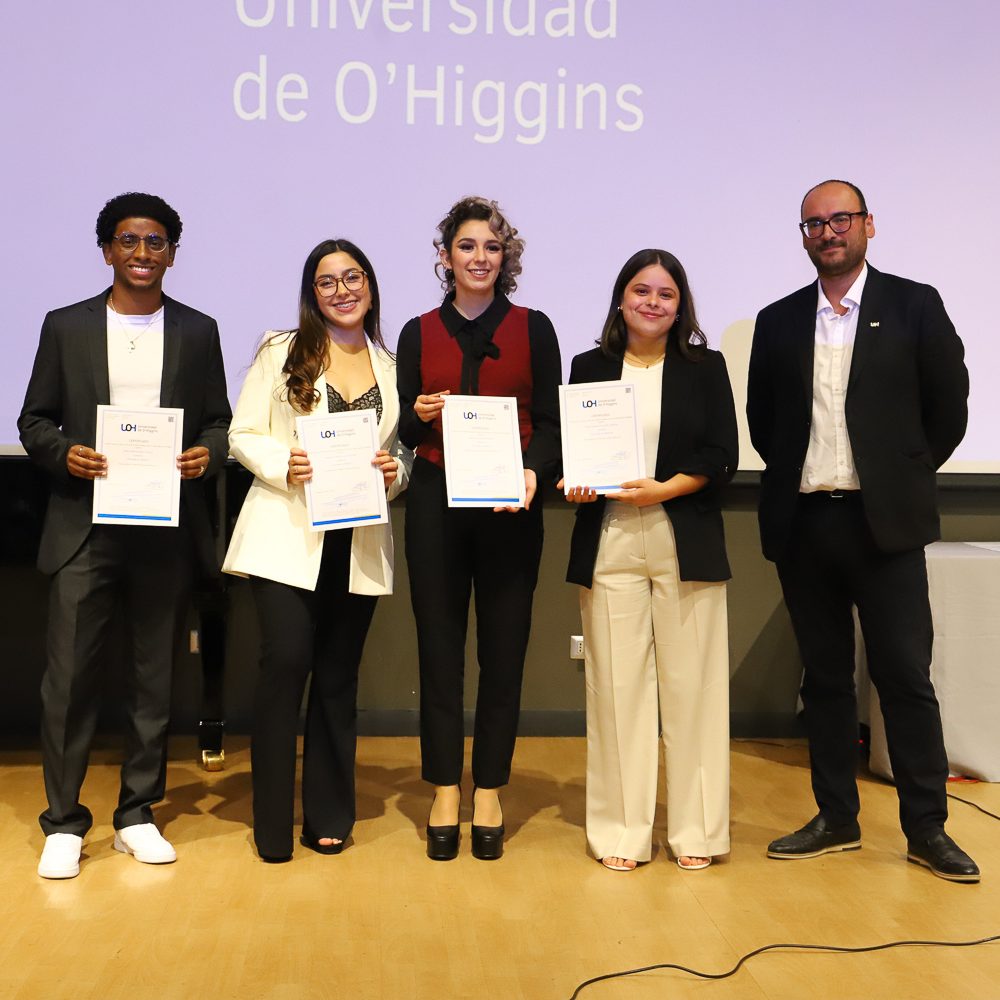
(315, 592)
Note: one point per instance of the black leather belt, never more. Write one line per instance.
(835, 495)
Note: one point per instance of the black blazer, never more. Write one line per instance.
(698, 437)
(69, 379)
(906, 407)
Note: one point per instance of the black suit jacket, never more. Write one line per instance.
(698, 437)
(906, 407)
(70, 378)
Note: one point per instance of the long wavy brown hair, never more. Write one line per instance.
(308, 354)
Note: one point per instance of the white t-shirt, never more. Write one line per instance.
(135, 358)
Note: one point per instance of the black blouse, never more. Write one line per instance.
(370, 400)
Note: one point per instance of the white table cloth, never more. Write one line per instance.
(964, 581)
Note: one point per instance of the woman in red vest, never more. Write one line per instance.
(476, 343)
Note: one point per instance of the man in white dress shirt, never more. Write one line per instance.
(857, 394)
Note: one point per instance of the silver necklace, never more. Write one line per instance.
(124, 328)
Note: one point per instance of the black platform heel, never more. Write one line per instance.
(442, 841)
(487, 841)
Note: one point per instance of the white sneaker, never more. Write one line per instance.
(61, 856)
(144, 843)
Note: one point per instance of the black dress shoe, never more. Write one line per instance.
(943, 856)
(817, 837)
(442, 842)
(313, 843)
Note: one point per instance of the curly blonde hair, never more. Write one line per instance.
(474, 207)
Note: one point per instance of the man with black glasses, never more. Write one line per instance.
(857, 394)
(130, 346)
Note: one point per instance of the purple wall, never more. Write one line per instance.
(717, 117)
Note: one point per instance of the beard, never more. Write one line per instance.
(832, 267)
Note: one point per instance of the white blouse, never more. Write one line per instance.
(648, 384)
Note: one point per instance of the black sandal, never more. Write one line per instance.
(313, 843)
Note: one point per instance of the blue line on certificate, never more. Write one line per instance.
(341, 520)
(136, 517)
(486, 499)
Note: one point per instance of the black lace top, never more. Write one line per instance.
(370, 400)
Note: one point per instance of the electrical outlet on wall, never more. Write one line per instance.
(576, 647)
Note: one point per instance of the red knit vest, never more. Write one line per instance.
(508, 375)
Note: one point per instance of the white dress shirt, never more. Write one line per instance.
(829, 463)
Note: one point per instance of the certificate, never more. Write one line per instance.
(346, 489)
(482, 452)
(601, 440)
(143, 484)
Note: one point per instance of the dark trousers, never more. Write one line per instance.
(144, 571)
(831, 564)
(450, 551)
(321, 632)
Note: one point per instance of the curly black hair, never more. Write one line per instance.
(137, 205)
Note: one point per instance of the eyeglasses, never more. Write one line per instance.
(329, 284)
(129, 242)
(839, 223)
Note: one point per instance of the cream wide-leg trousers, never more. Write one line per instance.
(653, 641)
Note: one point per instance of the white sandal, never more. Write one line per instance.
(693, 868)
(620, 868)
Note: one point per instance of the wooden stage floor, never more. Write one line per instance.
(381, 921)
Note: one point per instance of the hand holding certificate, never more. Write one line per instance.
(601, 439)
(142, 484)
(482, 452)
(346, 487)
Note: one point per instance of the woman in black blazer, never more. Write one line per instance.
(651, 563)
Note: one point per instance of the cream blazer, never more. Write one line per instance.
(272, 537)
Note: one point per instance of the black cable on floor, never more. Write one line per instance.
(975, 805)
(774, 947)
(797, 947)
